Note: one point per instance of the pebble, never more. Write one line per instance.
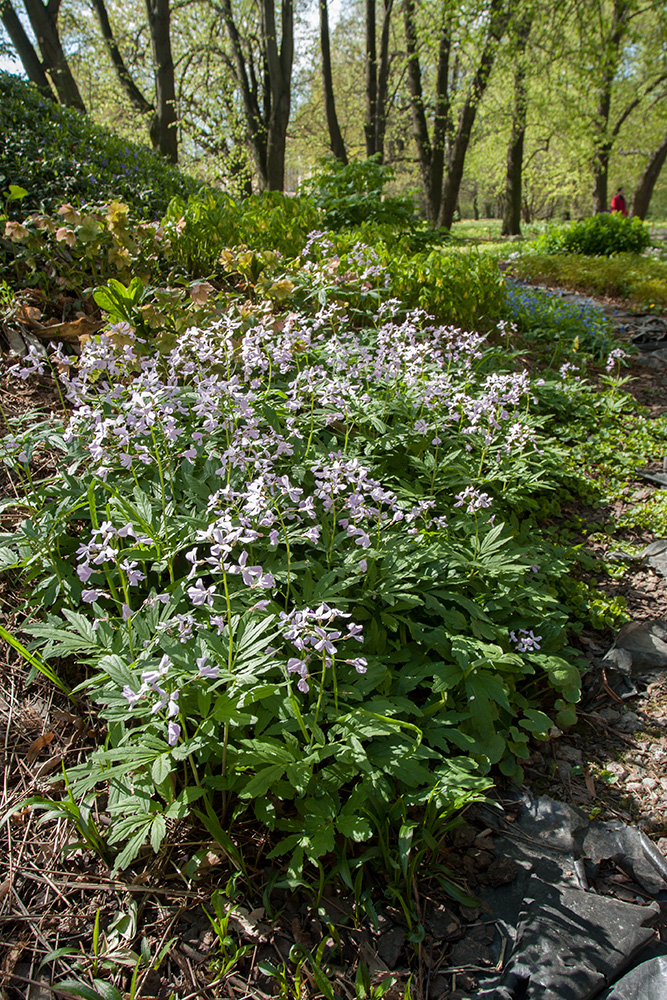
(571, 754)
(630, 722)
(609, 715)
(649, 783)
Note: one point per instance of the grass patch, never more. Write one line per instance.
(640, 280)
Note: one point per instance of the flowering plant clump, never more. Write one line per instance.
(299, 556)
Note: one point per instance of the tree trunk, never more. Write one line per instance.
(335, 137)
(44, 23)
(383, 81)
(419, 123)
(601, 177)
(279, 66)
(164, 133)
(431, 155)
(450, 193)
(641, 199)
(371, 79)
(129, 86)
(248, 86)
(512, 200)
(442, 122)
(603, 140)
(24, 50)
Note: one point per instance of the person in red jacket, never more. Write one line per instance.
(618, 202)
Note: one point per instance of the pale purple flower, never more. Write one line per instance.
(90, 596)
(474, 499)
(173, 733)
(205, 670)
(131, 695)
(200, 595)
(615, 357)
(526, 641)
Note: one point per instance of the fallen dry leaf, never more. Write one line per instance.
(73, 330)
(30, 315)
(37, 746)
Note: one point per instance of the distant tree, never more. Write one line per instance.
(641, 199)
(164, 133)
(34, 69)
(335, 136)
(444, 152)
(612, 37)
(377, 78)
(263, 71)
(512, 200)
(53, 63)
(126, 79)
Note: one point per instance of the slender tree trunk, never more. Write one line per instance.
(601, 173)
(450, 193)
(26, 53)
(383, 81)
(371, 79)
(641, 198)
(164, 133)
(603, 140)
(249, 89)
(335, 137)
(44, 22)
(125, 77)
(279, 67)
(431, 155)
(442, 120)
(419, 122)
(512, 200)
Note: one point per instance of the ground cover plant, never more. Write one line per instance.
(296, 548)
(565, 327)
(55, 154)
(641, 280)
(599, 235)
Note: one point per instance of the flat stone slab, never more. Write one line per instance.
(639, 646)
(655, 556)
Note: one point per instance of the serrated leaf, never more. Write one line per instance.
(131, 850)
(162, 768)
(158, 831)
(107, 990)
(74, 988)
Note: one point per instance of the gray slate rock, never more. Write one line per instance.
(390, 945)
(638, 646)
(655, 555)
